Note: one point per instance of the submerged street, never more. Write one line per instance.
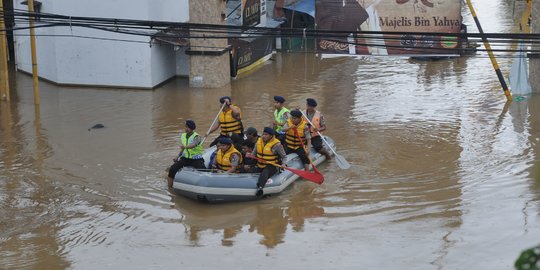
(445, 174)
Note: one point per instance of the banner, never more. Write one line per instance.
(442, 16)
(246, 52)
(251, 12)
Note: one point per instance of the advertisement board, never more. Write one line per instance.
(348, 18)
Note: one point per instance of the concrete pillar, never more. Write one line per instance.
(209, 58)
(534, 62)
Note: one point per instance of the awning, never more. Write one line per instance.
(304, 6)
(177, 37)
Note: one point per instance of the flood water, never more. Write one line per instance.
(445, 174)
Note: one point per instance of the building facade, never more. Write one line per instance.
(84, 56)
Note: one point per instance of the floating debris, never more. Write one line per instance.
(96, 126)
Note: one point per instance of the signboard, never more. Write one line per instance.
(246, 52)
(441, 16)
(251, 12)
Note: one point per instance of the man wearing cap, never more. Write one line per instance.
(190, 154)
(228, 158)
(281, 115)
(230, 120)
(269, 149)
(297, 136)
(319, 124)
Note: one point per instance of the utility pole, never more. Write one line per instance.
(490, 53)
(4, 73)
(33, 49)
(534, 61)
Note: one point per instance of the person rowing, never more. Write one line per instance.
(230, 120)
(269, 149)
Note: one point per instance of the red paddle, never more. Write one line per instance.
(317, 178)
(305, 149)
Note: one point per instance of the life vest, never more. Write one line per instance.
(228, 123)
(291, 138)
(264, 151)
(195, 152)
(280, 119)
(223, 160)
(316, 121)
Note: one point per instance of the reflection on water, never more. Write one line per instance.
(442, 170)
(270, 220)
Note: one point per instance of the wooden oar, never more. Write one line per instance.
(341, 162)
(306, 151)
(316, 178)
(213, 123)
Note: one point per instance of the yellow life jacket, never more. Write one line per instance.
(228, 123)
(291, 138)
(223, 160)
(264, 151)
(316, 121)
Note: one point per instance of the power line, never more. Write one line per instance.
(156, 29)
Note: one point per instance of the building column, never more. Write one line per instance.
(534, 62)
(209, 58)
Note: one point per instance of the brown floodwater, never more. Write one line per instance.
(445, 174)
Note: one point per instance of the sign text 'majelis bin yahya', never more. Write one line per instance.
(442, 16)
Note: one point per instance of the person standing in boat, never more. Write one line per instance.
(297, 135)
(268, 148)
(228, 158)
(190, 154)
(281, 115)
(230, 120)
(319, 124)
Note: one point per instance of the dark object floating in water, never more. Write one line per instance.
(96, 126)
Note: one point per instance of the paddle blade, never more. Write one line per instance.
(314, 177)
(341, 162)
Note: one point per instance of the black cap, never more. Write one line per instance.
(311, 102)
(279, 99)
(190, 124)
(223, 98)
(296, 113)
(251, 131)
(225, 140)
(269, 130)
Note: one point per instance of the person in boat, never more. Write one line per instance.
(228, 158)
(249, 163)
(252, 135)
(237, 140)
(230, 120)
(268, 148)
(281, 115)
(190, 154)
(319, 125)
(298, 136)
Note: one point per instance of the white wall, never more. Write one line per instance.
(94, 61)
(182, 62)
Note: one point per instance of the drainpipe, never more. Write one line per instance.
(534, 60)
(33, 49)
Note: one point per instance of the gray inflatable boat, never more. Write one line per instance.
(207, 186)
